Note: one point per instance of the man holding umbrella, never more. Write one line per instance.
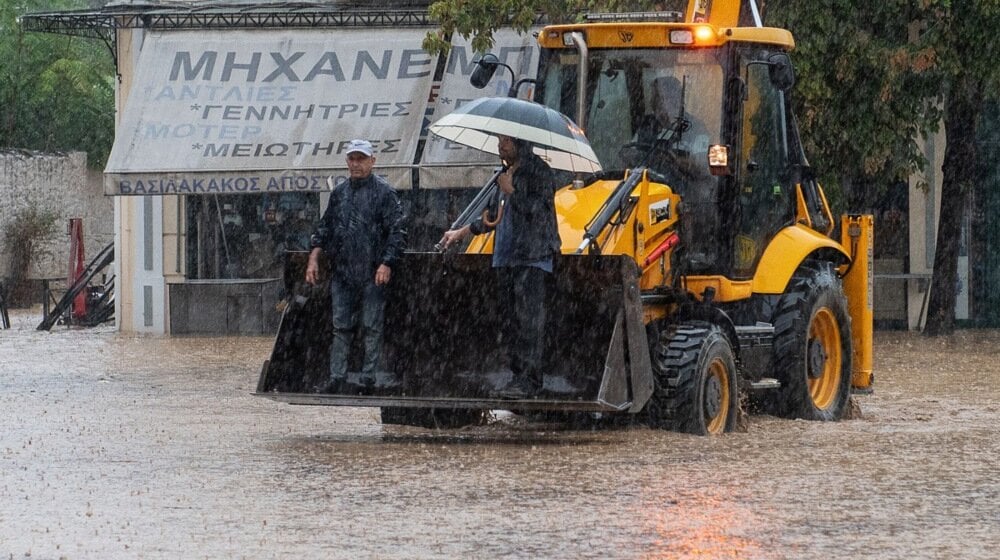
(532, 140)
(527, 238)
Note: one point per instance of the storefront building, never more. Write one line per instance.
(231, 126)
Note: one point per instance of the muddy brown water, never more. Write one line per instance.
(118, 446)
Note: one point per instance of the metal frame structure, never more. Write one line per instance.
(103, 24)
(103, 307)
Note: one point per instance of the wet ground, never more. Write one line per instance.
(114, 446)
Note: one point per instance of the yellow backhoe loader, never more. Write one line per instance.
(700, 265)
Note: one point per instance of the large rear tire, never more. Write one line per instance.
(694, 374)
(433, 418)
(812, 346)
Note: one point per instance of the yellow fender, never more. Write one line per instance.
(786, 252)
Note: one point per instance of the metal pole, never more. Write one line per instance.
(582, 77)
(756, 14)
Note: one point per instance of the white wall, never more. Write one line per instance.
(59, 183)
(925, 207)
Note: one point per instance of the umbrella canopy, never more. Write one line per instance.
(556, 138)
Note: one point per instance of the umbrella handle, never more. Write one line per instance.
(489, 189)
(486, 214)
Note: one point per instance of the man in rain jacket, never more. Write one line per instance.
(362, 234)
(527, 238)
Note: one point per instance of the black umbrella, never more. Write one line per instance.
(556, 138)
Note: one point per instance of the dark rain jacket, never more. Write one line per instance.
(532, 211)
(361, 229)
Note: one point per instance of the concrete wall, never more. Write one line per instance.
(59, 183)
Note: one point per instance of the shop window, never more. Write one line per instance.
(246, 236)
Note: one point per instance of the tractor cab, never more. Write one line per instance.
(663, 96)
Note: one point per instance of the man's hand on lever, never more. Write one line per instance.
(453, 236)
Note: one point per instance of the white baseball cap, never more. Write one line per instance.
(358, 145)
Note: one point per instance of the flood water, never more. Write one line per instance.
(116, 446)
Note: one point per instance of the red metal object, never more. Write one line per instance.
(669, 243)
(76, 266)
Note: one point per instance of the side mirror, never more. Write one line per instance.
(780, 70)
(486, 66)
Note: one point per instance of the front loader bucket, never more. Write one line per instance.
(442, 338)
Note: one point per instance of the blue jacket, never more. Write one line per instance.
(361, 229)
(535, 234)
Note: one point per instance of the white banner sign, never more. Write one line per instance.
(268, 110)
(445, 163)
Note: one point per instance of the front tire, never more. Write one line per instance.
(694, 372)
(812, 346)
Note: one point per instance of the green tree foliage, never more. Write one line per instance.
(866, 91)
(965, 34)
(874, 78)
(24, 237)
(478, 19)
(56, 92)
(868, 83)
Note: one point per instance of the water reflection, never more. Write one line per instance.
(704, 523)
(115, 446)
